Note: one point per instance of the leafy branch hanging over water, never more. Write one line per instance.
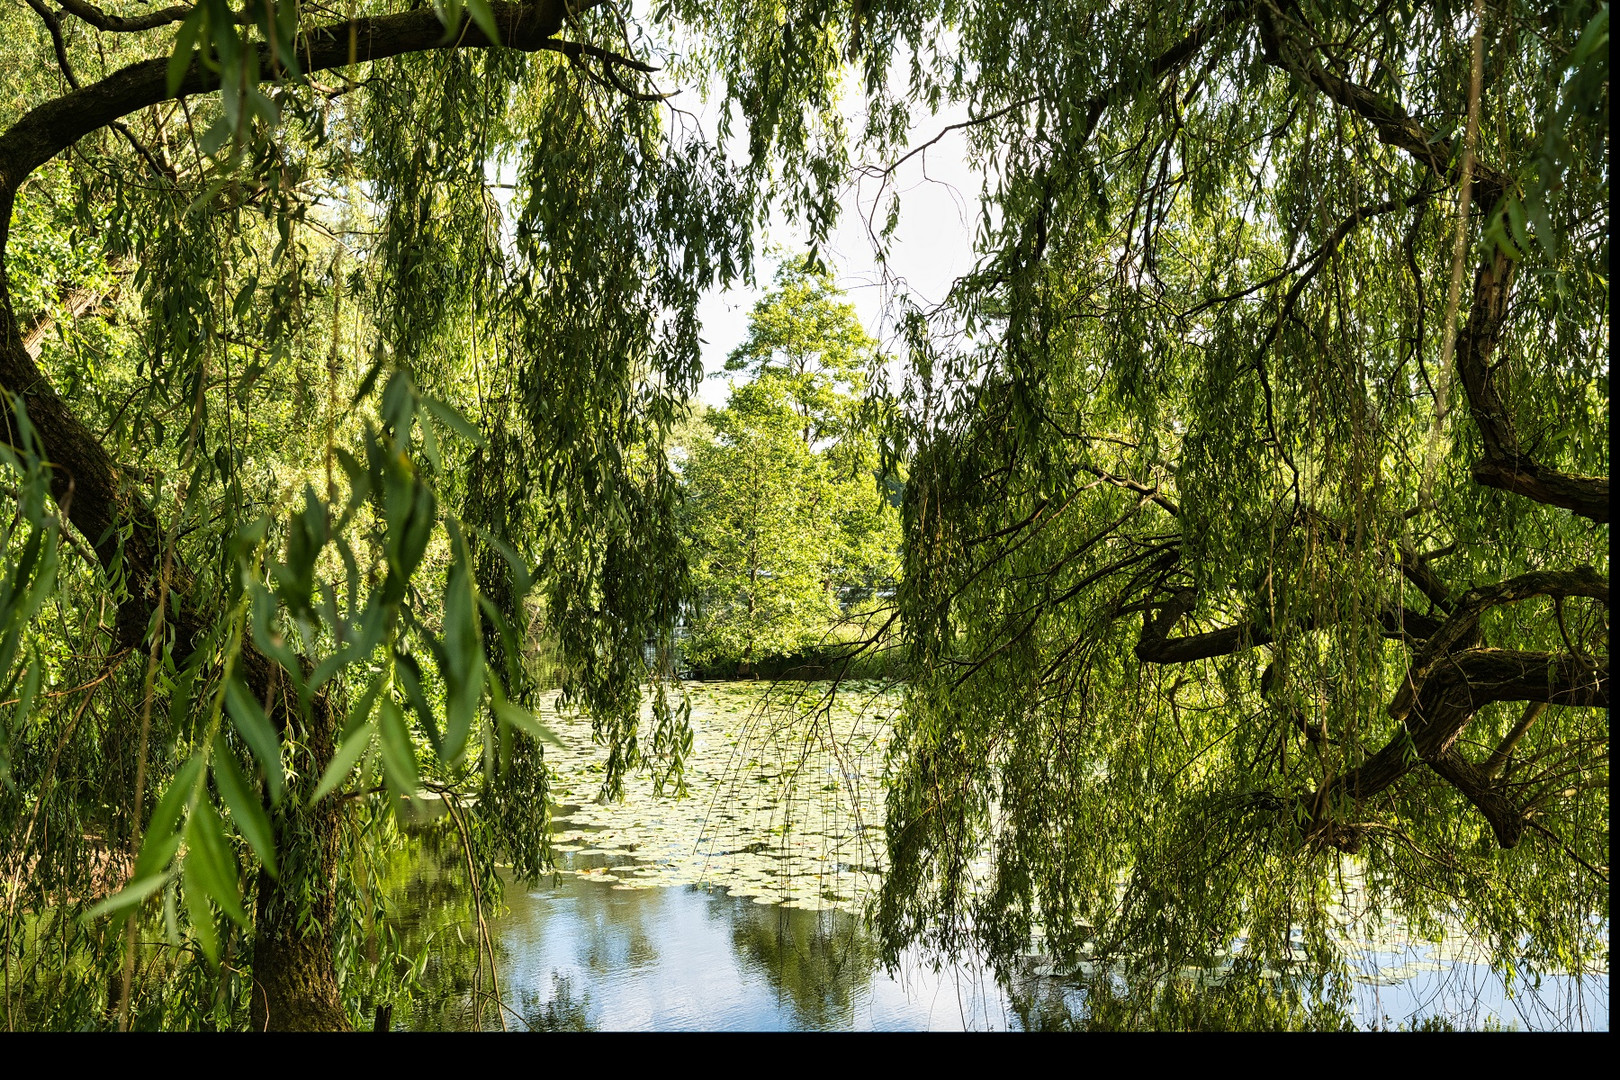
(1238, 556)
(1215, 597)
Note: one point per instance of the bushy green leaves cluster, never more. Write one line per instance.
(788, 528)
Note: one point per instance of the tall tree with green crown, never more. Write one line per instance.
(786, 513)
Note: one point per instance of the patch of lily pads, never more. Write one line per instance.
(785, 802)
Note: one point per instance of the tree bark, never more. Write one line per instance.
(295, 918)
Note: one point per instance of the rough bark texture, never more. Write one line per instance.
(294, 938)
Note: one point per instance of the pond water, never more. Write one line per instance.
(694, 958)
(739, 907)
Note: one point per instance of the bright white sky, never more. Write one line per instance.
(931, 248)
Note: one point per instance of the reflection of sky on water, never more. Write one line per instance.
(1396, 986)
(693, 958)
(664, 914)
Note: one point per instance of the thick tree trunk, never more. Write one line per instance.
(295, 981)
(294, 947)
(294, 926)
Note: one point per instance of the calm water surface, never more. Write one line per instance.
(693, 958)
(737, 908)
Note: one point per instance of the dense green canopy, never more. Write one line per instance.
(1258, 539)
(788, 536)
(1256, 515)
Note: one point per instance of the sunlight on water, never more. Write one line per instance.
(740, 907)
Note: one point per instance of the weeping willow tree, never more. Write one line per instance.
(307, 426)
(1256, 513)
(1256, 537)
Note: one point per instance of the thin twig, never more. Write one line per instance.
(1555, 838)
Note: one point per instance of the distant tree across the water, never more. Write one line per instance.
(786, 523)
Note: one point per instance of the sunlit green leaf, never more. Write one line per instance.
(185, 43)
(246, 810)
(481, 14)
(257, 732)
(348, 754)
(398, 755)
(209, 861)
(525, 721)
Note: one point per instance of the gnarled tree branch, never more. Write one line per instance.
(1463, 625)
(1505, 465)
(49, 128)
(1450, 699)
(119, 24)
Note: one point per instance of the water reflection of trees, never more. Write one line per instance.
(1101, 1001)
(621, 931)
(427, 935)
(564, 1010)
(429, 938)
(820, 967)
(819, 961)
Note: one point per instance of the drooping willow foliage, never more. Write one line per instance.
(355, 430)
(1245, 569)
(1257, 501)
